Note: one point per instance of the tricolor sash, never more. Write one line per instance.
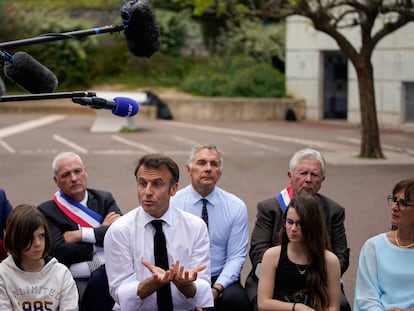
(284, 197)
(79, 213)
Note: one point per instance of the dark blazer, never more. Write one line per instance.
(5, 209)
(266, 233)
(99, 201)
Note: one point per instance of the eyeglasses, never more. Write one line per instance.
(290, 223)
(401, 203)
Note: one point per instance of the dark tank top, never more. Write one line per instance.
(288, 279)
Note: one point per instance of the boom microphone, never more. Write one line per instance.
(120, 106)
(142, 32)
(140, 28)
(30, 74)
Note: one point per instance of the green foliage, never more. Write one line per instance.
(104, 59)
(58, 4)
(253, 38)
(235, 77)
(174, 28)
(161, 70)
(70, 60)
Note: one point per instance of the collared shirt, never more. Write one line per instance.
(228, 229)
(130, 239)
(81, 269)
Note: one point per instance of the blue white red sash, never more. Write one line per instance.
(284, 197)
(79, 213)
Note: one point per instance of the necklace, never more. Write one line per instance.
(398, 242)
(301, 272)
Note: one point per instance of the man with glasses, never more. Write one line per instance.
(306, 174)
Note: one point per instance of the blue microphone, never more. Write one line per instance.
(120, 106)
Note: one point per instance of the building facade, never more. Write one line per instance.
(317, 71)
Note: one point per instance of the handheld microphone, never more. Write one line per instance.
(120, 106)
(30, 74)
(142, 32)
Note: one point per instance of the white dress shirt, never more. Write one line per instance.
(131, 239)
(81, 269)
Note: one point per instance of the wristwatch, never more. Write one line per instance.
(218, 291)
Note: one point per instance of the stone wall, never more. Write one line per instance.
(234, 109)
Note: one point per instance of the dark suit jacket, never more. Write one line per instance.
(5, 209)
(266, 233)
(99, 201)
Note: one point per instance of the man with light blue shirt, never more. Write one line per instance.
(226, 218)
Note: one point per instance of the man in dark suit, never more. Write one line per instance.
(78, 218)
(306, 174)
(5, 209)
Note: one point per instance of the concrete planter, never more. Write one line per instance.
(234, 109)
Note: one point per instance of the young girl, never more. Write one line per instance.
(30, 279)
(300, 274)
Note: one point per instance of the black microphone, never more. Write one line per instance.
(142, 32)
(120, 106)
(30, 74)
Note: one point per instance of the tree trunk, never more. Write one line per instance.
(370, 135)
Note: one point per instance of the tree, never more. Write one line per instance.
(375, 19)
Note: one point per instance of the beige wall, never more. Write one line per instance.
(393, 61)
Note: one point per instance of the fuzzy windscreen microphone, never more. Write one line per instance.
(141, 31)
(30, 74)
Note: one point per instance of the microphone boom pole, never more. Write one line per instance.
(61, 36)
(47, 96)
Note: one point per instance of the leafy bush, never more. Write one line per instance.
(161, 70)
(173, 29)
(235, 77)
(253, 38)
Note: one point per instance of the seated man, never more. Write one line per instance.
(78, 218)
(157, 256)
(5, 210)
(306, 173)
(226, 218)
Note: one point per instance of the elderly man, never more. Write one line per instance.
(78, 218)
(306, 174)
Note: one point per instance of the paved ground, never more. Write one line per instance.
(255, 166)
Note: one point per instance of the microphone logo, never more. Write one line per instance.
(130, 109)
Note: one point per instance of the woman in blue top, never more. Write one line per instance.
(386, 271)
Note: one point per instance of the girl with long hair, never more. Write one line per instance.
(300, 274)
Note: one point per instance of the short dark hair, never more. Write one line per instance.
(158, 161)
(407, 185)
(22, 222)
